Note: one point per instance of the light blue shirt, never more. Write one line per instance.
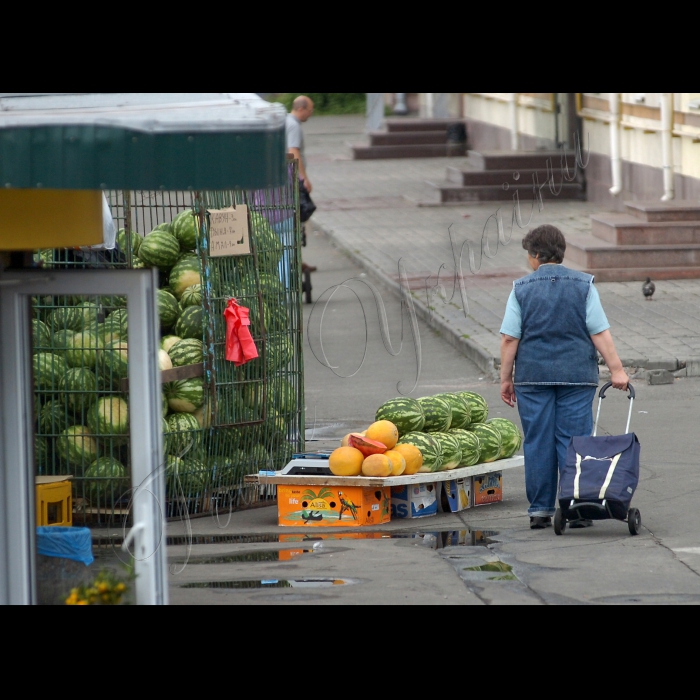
(596, 320)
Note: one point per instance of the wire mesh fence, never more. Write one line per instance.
(220, 421)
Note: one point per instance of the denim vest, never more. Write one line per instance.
(555, 346)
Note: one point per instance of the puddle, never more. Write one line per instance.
(491, 566)
(275, 583)
(276, 555)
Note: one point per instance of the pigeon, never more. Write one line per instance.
(648, 289)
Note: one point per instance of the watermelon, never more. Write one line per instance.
(168, 309)
(65, 318)
(135, 240)
(78, 386)
(41, 336)
(185, 395)
(188, 351)
(451, 450)
(106, 480)
(164, 361)
(189, 323)
(81, 349)
(469, 444)
(404, 412)
(41, 454)
(188, 476)
(165, 408)
(461, 411)
(278, 353)
(191, 296)
(477, 404)
(44, 257)
(437, 412)
(184, 273)
(266, 242)
(138, 264)
(185, 227)
(164, 227)
(203, 416)
(511, 437)
(47, 369)
(489, 441)
(75, 446)
(108, 416)
(52, 418)
(113, 361)
(167, 341)
(159, 249)
(90, 312)
(183, 433)
(60, 341)
(259, 456)
(119, 322)
(429, 447)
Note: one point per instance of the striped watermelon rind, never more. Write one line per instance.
(159, 249)
(489, 441)
(52, 418)
(451, 450)
(191, 296)
(106, 479)
(65, 318)
(41, 336)
(438, 414)
(82, 349)
(461, 411)
(470, 446)
(75, 446)
(47, 368)
(78, 387)
(184, 273)
(183, 433)
(168, 309)
(477, 404)
(429, 447)
(189, 323)
(404, 412)
(184, 228)
(187, 351)
(108, 416)
(511, 437)
(113, 361)
(167, 342)
(185, 395)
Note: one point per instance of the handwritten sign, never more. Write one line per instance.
(228, 231)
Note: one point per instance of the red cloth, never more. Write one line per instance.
(240, 347)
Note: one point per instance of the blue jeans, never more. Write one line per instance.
(550, 416)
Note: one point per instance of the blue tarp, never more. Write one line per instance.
(66, 542)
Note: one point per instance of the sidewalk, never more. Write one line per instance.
(376, 210)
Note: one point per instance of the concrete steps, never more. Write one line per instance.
(449, 193)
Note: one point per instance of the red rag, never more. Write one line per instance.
(240, 347)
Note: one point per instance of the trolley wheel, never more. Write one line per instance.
(559, 522)
(634, 521)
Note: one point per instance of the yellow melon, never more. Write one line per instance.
(376, 465)
(383, 431)
(345, 461)
(345, 441)
(398, 462)
(412, 455)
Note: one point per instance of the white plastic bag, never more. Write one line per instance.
(109, 230)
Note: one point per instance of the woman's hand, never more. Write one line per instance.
(508, 392)
(619, 379)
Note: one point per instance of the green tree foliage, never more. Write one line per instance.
(325, 102)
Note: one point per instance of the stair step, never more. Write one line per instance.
(637, 274)
(504, 160)
(623, 229)
(450, 192)
(473, 176)
(418, 124)
(406, 138)
(676, 210)
(602, 255)
(428, 150)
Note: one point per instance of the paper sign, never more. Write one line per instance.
(228, 231)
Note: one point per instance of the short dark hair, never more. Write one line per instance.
(546, 242)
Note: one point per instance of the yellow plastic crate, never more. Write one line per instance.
(54, 501)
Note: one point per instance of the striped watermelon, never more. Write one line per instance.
(135, 240)
(52, 418)
(194, 476)
(119, 320)
(188, 351)
(451, 450)
(183, 433)
(191, 296)
(165, 408)
(65, 318)
(278, 353)
(75, 446)
(60, 341)
(429, 447)
(437, 412)
(41, 454)
(113, 361)
(78, 386)
(489, 441)
(461, 411)
(185, 395)
(47, 369)
(477, 404)
(189, 323)
(511, 437)
(138, 264)
(268, 246)
(469, 444)
(184, 273)
(404, 412)
(41, 336)
(82, 349)
(90, 313)
(167, 341)
(159, 249)
(164, 227)
(168, 309)
(185, 226)
(203, 415)
(107, 480)
(108, 416)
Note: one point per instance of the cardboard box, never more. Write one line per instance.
(334, 506)
(414, 500)
(456, 495)
(487, 488)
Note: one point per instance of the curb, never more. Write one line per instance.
(482, 359)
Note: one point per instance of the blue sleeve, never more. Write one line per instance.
(596, 320)
(512, 319)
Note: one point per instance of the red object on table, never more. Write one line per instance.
(240, 347)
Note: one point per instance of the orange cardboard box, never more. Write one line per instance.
(487, 488)
(333, 506)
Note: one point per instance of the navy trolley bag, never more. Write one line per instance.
(600, 476)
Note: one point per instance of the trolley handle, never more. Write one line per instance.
(607, 385)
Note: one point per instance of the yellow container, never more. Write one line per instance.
(54, 501)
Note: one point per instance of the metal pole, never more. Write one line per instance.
(400, 106)
(375, 110)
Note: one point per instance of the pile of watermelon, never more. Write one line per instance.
(451, 429)
(81, 356)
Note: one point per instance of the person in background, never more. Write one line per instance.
(553, 325)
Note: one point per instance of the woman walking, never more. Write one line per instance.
(553, 325)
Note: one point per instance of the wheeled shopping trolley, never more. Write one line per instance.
(600, 477)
